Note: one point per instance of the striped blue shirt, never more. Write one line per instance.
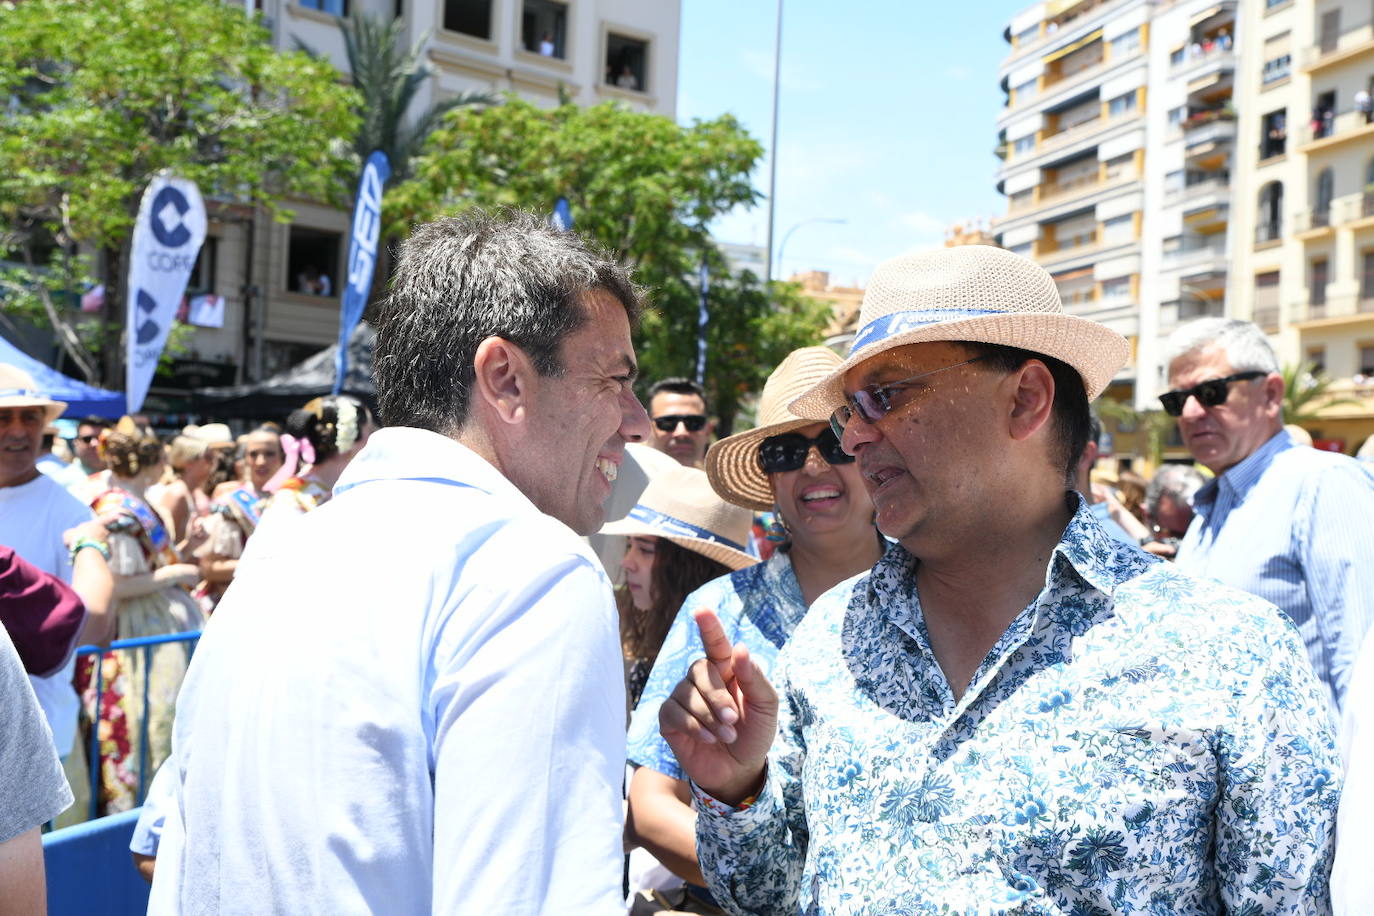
(1292, 525)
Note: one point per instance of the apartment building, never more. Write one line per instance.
(1073, 139)
(1303, 264)
(280, 284)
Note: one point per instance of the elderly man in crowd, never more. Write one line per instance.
(1012, 711)
(1288, 524)
(1169, 500)
(677, 407)
(431, 661)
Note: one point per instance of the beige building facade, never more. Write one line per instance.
(281, 282)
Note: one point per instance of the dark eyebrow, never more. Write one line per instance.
(631, 369)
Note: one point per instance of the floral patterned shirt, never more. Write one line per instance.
(1138, 741)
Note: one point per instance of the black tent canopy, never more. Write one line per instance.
(282, 393)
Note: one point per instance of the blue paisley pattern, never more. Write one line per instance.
(758, 606)
(1138, 741)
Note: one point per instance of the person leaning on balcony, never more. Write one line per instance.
(1011, 712)
(1288, 524)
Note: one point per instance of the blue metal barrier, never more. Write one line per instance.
(89, 869)
(146, 643)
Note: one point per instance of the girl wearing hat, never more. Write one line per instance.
(680, 536)
(320, 439)
(793, 465)
(150, 600)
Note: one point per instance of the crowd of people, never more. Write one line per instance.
(514, 643)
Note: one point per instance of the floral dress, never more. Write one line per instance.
(139, 543)
(232, 519)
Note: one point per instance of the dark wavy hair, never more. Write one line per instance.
(677, 573)
(318, 422)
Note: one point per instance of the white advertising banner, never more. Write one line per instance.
(167, 239)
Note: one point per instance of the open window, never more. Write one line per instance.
(1274, 134)
(627, 62)
(468, 17)
(312, 261)
(544, 28)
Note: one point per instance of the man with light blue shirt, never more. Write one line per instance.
(414, 703)
(1285, 522)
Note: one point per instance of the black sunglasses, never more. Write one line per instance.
(788, 452)
(693, 421)
(1210, 393)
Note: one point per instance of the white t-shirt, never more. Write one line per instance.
(431, 668)
(1352, 883)
(33, 517)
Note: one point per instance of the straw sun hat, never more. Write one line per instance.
(18, 389)
(971, 293)
(678, 504)
(733, 463)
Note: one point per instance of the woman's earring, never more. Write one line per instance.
(777, 531)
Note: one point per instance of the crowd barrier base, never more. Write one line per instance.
(90, 871)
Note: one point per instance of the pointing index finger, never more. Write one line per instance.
(714, 641)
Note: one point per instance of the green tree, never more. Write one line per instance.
(1307, 392)
(644, 188)
(105, 95)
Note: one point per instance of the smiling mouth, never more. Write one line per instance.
(608, 468)
(822, 493)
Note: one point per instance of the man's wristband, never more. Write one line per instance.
(82, 543)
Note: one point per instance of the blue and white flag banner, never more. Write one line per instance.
(167, 239)
(561, 217)
(703, 316)
(362, 255)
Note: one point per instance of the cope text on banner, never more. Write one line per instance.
(362, 255)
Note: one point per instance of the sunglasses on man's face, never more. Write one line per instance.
(788, 452)
(873, 402)
(1211, 393)
(694, 422)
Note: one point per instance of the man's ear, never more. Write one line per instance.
(503, 380)
(1273, 391)
(1032, 399)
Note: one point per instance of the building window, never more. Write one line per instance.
(1024, 249)
(1366, 361)
(468, 17)
(1367, 276)
(1020, 198)
(202, 279)
(1178, 115)
(1316, 358)
(1267, 300)
(627, 62)
(1121, 105)
(1024, 145)
(1125, 43)
(1274, 133)
(1176, 56)
(1118, 230)
(1321, 210)
(544, 28)
(1320, 277)
(1027, 35)
(312, 261)
(1024, 91)
(1118, 290)
(1270, 222)
(1277, 69)
(1324, 115)
(334, 7)
(1118, 167)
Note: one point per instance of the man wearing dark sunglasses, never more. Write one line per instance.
(86, 444)
(1282, 521)
(682, 428)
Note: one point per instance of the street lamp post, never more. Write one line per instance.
(773, 150)
(782, 248)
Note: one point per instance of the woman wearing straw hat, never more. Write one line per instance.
(794, 466)
(681, 535)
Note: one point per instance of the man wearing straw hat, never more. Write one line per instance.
(1012, 711)
(36, 514)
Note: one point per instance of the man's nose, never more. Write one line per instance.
(634, 420)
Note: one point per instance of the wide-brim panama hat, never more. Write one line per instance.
(732, 464)
(680, 505)
(975, 294)
(18, 389)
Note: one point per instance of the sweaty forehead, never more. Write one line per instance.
(672, 402)
(1209, 362)
(900, 362)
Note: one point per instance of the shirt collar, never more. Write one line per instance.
(1241, 478)
(1084, 551)
(408, 453)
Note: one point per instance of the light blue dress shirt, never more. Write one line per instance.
(410, 700)
(1295, 526)
(1138, 741)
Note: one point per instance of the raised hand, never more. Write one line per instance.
(721, 719)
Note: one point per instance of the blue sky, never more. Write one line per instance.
(887, 118)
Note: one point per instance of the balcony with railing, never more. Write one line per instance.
(1335, 130)
(1205, 57)
(1338, 45)
(1053, 250)
(1197, 253)
(1268, 233)
(1208, 187)
(1267, 317)
(1314, 223)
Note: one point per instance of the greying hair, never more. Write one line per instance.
(1178, 481)
(1247, 349)
(461, 280)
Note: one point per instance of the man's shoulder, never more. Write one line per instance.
(59, 499)
(1164, 600)
(1303, 462)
